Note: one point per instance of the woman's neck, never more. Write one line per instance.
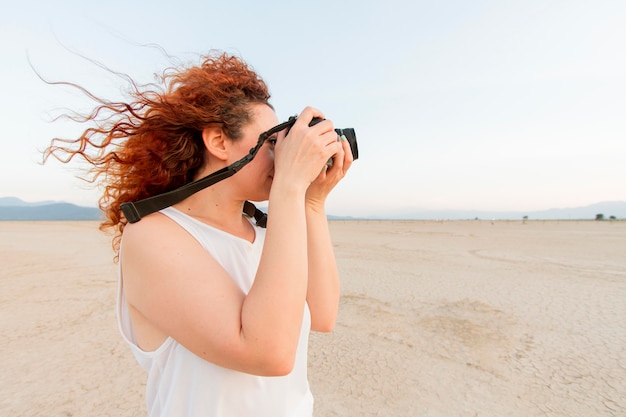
(226, 214)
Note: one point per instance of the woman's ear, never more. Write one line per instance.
(215, 142)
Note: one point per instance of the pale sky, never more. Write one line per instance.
(477, 105)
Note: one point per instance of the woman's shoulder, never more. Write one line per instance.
(152, 229)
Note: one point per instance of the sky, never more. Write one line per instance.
(472, 105)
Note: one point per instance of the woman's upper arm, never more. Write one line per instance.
(179, 288)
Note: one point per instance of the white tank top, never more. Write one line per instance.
(182, 384)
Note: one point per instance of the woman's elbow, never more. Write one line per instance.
(277, 365)
(281, 369)
(323, 325)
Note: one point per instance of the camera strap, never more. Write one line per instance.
(134, 211)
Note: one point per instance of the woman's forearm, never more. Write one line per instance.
(323, 283)
(272, 311)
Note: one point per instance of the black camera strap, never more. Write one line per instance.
(134, 211)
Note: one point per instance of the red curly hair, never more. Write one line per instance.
(153, 144)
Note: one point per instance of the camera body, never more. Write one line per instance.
(348, 133)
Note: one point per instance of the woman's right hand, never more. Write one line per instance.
(302, 154)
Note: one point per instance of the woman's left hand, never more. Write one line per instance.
(329, 177)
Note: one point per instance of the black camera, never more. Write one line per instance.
(348, 133)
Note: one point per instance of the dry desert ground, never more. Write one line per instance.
(456, 318)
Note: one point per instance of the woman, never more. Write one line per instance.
(215, 308)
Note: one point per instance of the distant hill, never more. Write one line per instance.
(12, 208)
(16, 202)
(608, 209)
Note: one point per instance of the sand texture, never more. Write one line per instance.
(436, 319)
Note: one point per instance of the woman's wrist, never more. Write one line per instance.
(315, 206)
(287, 188)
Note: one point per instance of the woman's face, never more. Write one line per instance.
(255, 178)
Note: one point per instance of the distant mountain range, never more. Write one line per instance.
(12, 208)
(617, 209)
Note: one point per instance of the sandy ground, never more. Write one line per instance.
(437, 319)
